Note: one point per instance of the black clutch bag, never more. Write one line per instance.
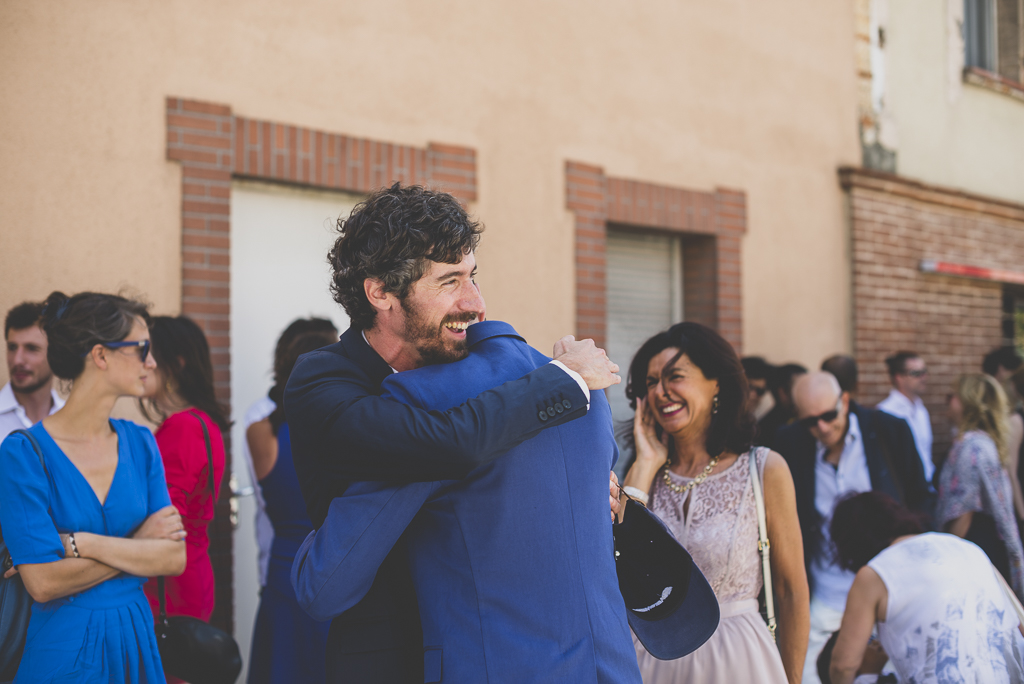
(194, 650)
(191, 649)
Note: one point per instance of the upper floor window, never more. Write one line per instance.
(993, 34)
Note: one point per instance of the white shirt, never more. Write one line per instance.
(12, 414)
(914, 412)
(831, 583)
(264, 528)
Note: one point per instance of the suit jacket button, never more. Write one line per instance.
(551, 411)
(567, 404)
(543, 415)
(559, 408)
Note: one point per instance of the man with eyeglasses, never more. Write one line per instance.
(909, 376)
(836, 448)
(28, 396)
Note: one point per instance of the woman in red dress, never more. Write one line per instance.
(180, 396)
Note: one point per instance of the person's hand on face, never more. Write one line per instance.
(587, 359)
(649, 447)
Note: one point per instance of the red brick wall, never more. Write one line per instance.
(952, 322)
(213, 146)
(711, 224)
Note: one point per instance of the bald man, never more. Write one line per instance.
(836, 448)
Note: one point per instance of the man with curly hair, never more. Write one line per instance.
(404, 270)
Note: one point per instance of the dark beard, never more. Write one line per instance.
(429, 340)
(33, 387)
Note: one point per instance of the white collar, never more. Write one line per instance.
(9, 402)
(363, 333)
(896, 395)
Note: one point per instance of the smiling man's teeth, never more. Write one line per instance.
(457, 326)
(671, 408)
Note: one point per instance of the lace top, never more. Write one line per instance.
(720, 527)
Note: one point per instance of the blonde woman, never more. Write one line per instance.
(975, 494)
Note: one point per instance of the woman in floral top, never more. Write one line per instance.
(975, 495)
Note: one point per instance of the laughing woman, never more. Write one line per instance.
(89, 523)
(693, 441)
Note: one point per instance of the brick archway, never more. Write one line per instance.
(711, 224)
(214, 146)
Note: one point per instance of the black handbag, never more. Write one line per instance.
(15, 602)
(190, 648)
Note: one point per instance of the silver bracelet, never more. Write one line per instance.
(74, 546)
(638, 494)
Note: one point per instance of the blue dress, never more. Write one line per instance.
(287, 645)
(103, 634)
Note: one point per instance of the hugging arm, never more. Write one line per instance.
(380, 439)
(336, 564)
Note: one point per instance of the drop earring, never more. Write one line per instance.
(714, 405)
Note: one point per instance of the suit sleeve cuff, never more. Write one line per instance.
(578, 378)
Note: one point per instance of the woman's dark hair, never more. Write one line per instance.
(863, 525)
(732, 427)
(391, 236)
(283, 365)
(74, 325)
(183, 356)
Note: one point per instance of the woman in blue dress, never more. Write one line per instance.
(86, 531)
(288, 646)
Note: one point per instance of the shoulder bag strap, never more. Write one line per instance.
(763, 545)
(213, 491)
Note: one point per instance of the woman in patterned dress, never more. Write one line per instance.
(975, 493)
(693, 437)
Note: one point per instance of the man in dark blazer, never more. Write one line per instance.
(404, 269)
(836, 448)
(513, 565)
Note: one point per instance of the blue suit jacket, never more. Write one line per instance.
(343, 431)
(513, 566)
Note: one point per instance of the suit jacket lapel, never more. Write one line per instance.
(363, 354)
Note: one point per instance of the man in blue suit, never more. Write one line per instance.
(403, 269)
(513, 565)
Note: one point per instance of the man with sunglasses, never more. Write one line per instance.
(909, 376)
(836, 448)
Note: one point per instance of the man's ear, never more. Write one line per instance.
(379, 298)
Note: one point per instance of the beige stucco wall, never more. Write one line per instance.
(948, 132)
(739, 93)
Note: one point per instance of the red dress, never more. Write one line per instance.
(183, 451)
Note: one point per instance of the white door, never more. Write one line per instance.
(645, 296)
(280, 237)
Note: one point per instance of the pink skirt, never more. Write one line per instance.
(740, 650)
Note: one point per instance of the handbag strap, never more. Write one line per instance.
(763, 545)
(213, 492)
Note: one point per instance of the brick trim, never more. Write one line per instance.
(865, 179)
(712, 222)
(214, 146)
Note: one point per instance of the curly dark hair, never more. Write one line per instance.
(24, 315)
(74, 325)
(391, 236)
(863, 525)
(732, 428)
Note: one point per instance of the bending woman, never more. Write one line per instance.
(692, 434)
(85, 532)
(180, 397)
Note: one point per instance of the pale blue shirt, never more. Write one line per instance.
(832, 583)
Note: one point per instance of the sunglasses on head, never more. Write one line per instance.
(828, 416)
(142, 345)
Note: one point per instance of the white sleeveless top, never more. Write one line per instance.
(947, 619)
